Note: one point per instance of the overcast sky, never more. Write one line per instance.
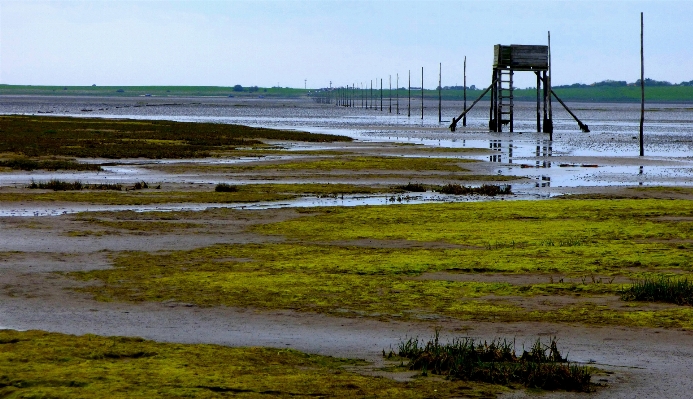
(269, 43)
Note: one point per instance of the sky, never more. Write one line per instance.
(311, 43)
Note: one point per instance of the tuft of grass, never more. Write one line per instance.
(225, 188)
(60, 185)
(660, 289)
(57, 185)
(413, 187)
(496, 362)
(37, 364)
(487, 189)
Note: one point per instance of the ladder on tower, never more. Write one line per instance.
(505, 98)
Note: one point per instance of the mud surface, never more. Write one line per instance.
(35, 242)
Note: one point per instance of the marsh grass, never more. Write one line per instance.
(486, 189)
(109, 138)
(660, 289)
(36, 364)
(225, 188)
(413, 187)
(60, 185)
(31, 164)
(496, 362)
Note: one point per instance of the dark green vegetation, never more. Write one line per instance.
(660, 289)
(35, 364)
(225, 188)
(561, 261)
(413, 187)
(485, 189)
(107, 138)
(496, 362)
(60, 185)
(50, 164)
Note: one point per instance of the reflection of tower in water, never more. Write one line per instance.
(497, 145)
(544, 149)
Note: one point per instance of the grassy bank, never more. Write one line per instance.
(380, 262)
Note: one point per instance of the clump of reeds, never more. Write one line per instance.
(60, 185)
(660, 289)
(225, 188)
(496, 362)
(485, 189)
(106, 186)
(413, 187)
(57, 185)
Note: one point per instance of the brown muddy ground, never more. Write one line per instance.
(644, 362)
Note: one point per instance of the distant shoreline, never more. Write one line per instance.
(591, 94)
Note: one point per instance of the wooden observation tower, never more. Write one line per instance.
(521, 58)
(506, 61)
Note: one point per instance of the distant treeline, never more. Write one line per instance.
(605, 91)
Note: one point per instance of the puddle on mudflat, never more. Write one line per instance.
(303, 202)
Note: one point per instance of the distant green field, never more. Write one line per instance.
(158, 91)
(588, 94)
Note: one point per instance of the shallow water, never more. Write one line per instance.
(608, 156)
(303, 202)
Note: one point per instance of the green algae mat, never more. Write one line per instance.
(121, 138)
(558, 260)
(36, 364)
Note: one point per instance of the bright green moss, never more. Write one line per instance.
(37, 364)
(319, 269)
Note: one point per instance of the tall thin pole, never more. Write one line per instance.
(390, 95)
(371, 93)
(440, 98)
(422, 93)
(642, 83)
(464, 85)
(397, 91)
(381, 94)
(409, 106)
(548, 79)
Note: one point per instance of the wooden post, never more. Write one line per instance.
(440, 80)
(548, 82)
(390, 95)
(409, 106)
(381, 94)
(464, 88)
(538, 102)
(371, 94)
(422, 106)
(397, 91)
(642, 83)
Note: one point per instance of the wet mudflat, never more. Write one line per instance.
(647, 353)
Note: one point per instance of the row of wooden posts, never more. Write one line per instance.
(362, 96)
